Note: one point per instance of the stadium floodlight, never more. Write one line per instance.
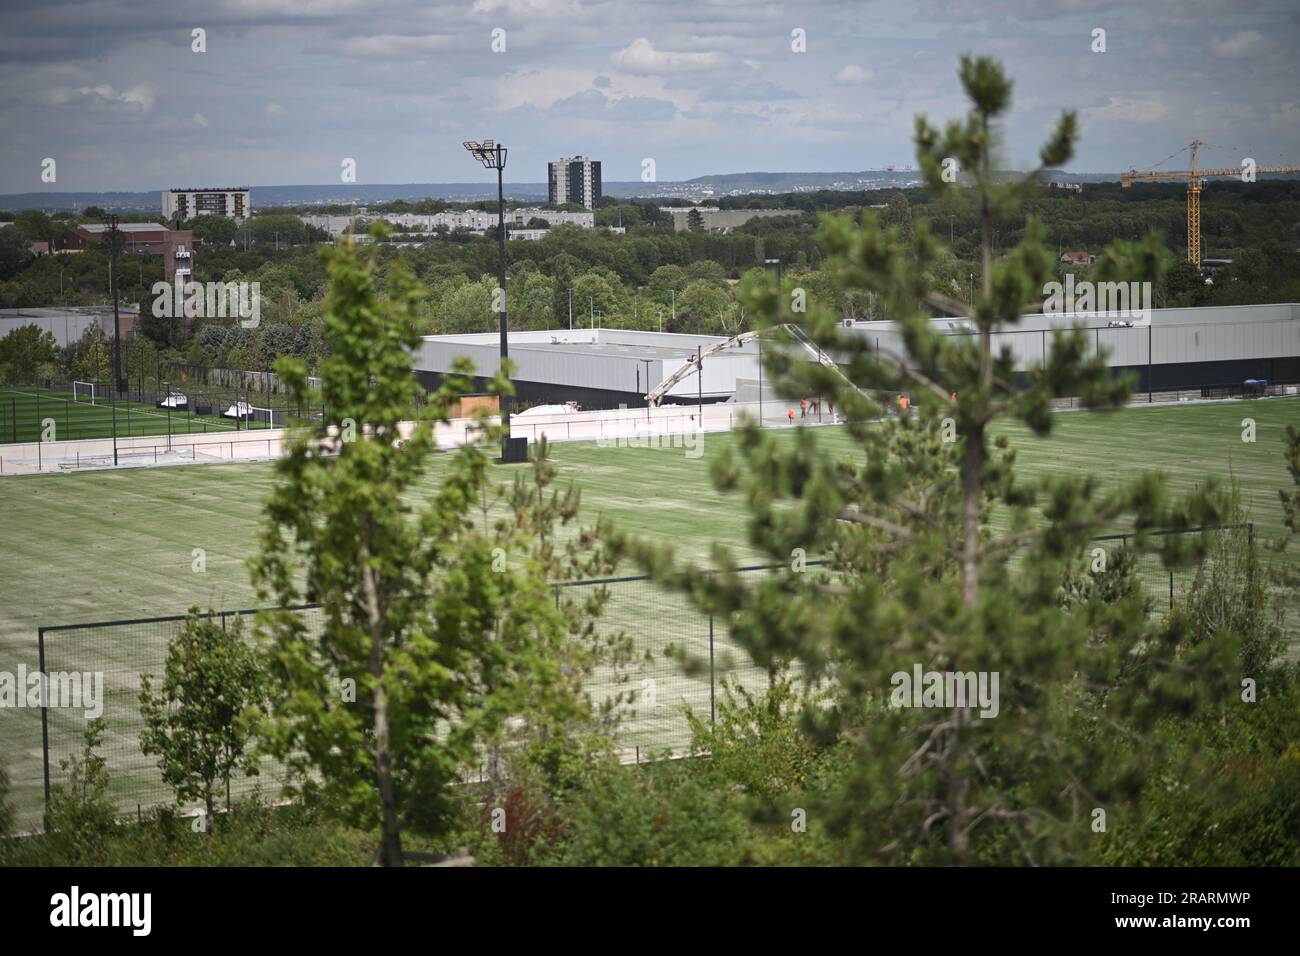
(493, 156)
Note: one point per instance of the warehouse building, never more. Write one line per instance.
(1213, 347)
(597, 368)
(1204, 352)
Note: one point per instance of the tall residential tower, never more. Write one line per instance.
(575, 180)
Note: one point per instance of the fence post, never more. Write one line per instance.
(712, 713)
(45, 723)
(1171, 589)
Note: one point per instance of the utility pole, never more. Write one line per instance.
(570, 308)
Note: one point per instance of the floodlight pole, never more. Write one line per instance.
(117, 331)
(499, 160)
(493, 156)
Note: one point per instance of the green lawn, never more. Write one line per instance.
(103, 545)
(25, 410)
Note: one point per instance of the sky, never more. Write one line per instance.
(285, 91)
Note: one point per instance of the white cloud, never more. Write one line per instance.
(398, 45)
(543, 88)
(289, 8)
(275, 109)
(851, 75)
(1242, 44)
(640, 56)
(139, 98)
(1122, 109)
(200, 120)
(535, 8)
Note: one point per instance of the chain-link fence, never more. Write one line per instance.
(664, 631)
(654, 687)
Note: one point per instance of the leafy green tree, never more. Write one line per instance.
(28, 355)
(81, 818)
(6, 808)
(36, 226)
(95, 362)
(193, 719)
(213, 230)
(701, 307)
(920, 578)
(15, 252)
(706, 270)
(1185, 286)
(435, 627)
(695, 221)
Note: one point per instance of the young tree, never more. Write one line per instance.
(6, 808)
(921, 579)
(435, 628)
(81, 816)
(95, 362)
(28, 355)
(193, 719)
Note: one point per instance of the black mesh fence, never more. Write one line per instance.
(679, 657)
(650, 690)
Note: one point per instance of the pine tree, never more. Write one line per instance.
(942, 561)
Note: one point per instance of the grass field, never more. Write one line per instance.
(24, 411)
(119, 544)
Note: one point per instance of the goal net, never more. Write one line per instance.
(250, 413)
(83, 392)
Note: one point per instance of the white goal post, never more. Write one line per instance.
(83, 392)
(249, 413)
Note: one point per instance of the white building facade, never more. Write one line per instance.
(233, 202)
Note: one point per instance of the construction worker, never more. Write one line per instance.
(803, 408)
(789, 412)
(903, 403)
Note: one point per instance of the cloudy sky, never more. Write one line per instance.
(287, 89)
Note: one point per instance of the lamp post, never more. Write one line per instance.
(493, 156)
(117, 331)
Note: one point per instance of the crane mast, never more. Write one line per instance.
(1194, 178)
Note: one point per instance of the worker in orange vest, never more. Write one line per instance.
(903, 403)
(789, 412)
(803, 408)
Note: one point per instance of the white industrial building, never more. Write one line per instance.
(598, 368)
(1192, 348)
(1202, 352)
(186, 203)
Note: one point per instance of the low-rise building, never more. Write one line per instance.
(474, 220)
(720, 220)
(176, 246)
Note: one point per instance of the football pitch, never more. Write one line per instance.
(27, 413)
(104, 545)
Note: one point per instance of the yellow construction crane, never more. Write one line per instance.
(1194, 177)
